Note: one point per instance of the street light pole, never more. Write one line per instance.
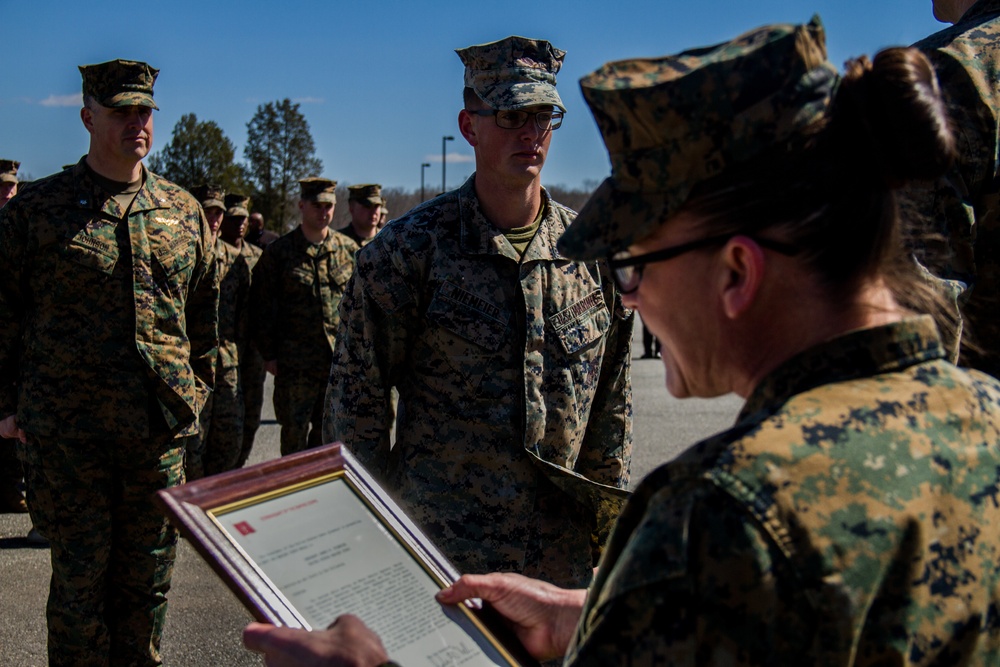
(422, 167)
(444, 160)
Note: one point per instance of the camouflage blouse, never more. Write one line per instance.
(108, 318)
(295, 298)
(513, 380)
(849, 517)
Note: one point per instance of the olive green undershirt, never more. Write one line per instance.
(124, 193)
(520, 237)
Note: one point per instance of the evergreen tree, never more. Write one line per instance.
(279, 152)
(199, 153)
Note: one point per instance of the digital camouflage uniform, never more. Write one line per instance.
(369, 194)
(849, 517)
(959, 238)
(296, 291)
(512, 373)
(252, 373)
(107, 342)
(349, 232)
(221, 419)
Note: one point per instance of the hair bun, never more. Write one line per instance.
(891, 115)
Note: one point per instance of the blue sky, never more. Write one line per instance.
(378, 82)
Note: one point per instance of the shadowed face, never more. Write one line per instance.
(507, 155)
(363, 215)
(119, 134)
(233, 228)
(7, 192)
(316, 215)
(214, 216)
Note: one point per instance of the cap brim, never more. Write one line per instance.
(213, 203)
(611, 221)
(8, 178)
(369, 201)
(325, 197)
(130, 100)
(520, 94)
(237, 212)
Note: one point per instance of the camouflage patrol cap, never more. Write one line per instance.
(513, 73)
(237, 205)
(210, 196)
(369, 194)
(672, 123)
(8, 171)
(120, 83)
(318, 189)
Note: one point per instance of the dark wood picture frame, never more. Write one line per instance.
(190, 507)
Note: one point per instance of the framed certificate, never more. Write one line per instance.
(305, 538)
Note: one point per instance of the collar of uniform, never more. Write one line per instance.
(480, 237)
(151, 195)
(90, 195)
(321, 249)
(857, 354)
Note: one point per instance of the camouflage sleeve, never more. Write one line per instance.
(12, 251)
(606, 453)
(243, 299)
(202, 314)
(376, 318)
(698, 583)
(263, 306)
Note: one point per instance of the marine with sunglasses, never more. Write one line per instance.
(514, 428)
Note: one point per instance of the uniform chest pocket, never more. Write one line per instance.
(468, 316)
(339, 275)
(582, 323)
(176, 255)
(91, 252)
(303, 275)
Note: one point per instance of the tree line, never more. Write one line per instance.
(279, 151)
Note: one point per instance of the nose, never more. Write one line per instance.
(136, 117)
(631, 300)
(530, 129)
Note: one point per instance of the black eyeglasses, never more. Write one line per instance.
(627, 269)
(515, 119)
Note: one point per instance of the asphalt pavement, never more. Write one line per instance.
(204, 620)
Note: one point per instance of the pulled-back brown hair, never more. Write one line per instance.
(831, 193)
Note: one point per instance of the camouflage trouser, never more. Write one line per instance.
(223, 430)
(194, 457)
(112, 550)
(252, 376)
(299, 399)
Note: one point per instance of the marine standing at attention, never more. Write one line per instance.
(514, 434)
(365, 204)
(108, 306)
(295, 299)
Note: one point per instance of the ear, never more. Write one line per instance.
(302, 205)
(466, 127)
(744, 265)
(86, 115)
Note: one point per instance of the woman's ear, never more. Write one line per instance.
(744, 265)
